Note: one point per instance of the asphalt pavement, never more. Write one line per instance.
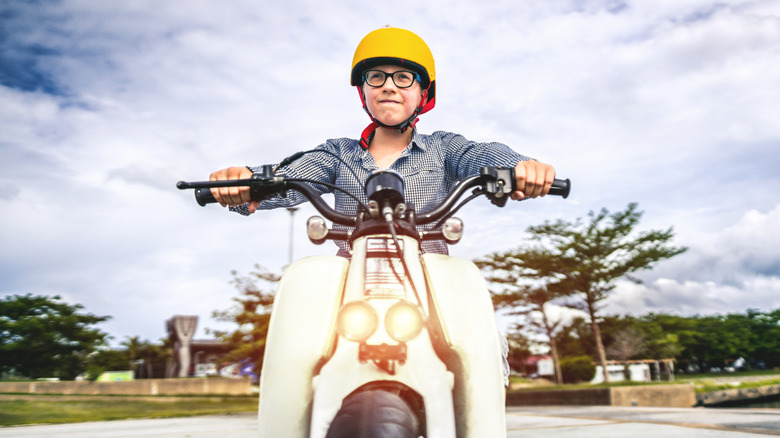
(638, 422)
(547, 421)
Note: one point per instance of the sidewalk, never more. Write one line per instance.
(638, 422)
(549, 421)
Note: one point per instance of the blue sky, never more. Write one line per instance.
(105, 105)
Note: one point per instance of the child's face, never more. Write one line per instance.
(389, 104)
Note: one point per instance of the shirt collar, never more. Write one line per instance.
(419, 140)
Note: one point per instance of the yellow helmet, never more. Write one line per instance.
(394, 46)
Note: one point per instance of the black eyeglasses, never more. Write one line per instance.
(401, 79)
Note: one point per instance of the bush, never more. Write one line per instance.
(577, 369)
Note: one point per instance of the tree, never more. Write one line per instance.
(659, 343)
(721, 339)
(142, 355)
(42, 336)
(520, 278)
(704, 342)
(251, 314)
(766, 327)
(578, 369)
(104, 360)
(519, 350)
(160, 357)
(572, 339)
(589, 258)
(628, 344)
(133, 346)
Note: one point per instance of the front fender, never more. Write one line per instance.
(465, 310)
(299, 335)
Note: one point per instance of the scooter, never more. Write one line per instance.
(392, 342)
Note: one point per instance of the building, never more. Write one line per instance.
(539, 366)
(645, 370)
(192, 357)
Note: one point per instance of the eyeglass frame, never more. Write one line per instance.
(415, 77)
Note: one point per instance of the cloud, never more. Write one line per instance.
(695, 298)
(748, 247)
(725, 271)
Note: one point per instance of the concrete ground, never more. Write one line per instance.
(207, 426)
(638, 422)
(547, 421)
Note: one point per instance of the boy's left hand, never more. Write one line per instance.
(533, 179)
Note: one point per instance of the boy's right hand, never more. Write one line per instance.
(233, 196)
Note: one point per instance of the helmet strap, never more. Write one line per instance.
(368, 133)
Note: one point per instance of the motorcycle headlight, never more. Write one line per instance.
(357, 321)
(316, 229)
(403, 321)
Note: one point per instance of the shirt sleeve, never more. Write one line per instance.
(465, 158)
(315, 165)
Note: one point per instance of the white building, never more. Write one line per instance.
(638, 371)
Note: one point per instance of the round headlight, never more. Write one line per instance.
(357, 321)
(403, 321)
(316, 229)
(452, 230)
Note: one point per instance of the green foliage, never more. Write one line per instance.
(106, 360)
(251, 314)
(519, 350)
(714, 341)
(42, 336)
(577, 264)
(591, 256)
(142, 357)
(520, 280)
(575, 339)
(766, 328)
(578, 369)
(697, 342)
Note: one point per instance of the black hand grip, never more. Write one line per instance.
(204, 196)
(560, 187)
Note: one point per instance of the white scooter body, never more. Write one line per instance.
(443, 379)
(309, 369)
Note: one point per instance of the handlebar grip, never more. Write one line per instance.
(204, 196)
(560, 187)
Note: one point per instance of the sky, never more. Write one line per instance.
(104, 106)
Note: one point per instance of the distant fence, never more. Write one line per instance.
(194, 386)
(682, 396)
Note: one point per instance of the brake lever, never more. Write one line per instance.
(498, 184)
(262, 185)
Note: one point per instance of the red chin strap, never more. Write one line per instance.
(365, 137)
(368, 133)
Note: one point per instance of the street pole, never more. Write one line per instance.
(292, 211)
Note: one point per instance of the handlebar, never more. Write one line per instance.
(262, 188)
(495, 182)
(560, 187)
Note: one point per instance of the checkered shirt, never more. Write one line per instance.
(431, 165)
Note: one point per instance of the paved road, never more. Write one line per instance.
(208, 426)
(637, 422)
(551, 422)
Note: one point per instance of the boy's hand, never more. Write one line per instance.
(233, 196)
(533, 179)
